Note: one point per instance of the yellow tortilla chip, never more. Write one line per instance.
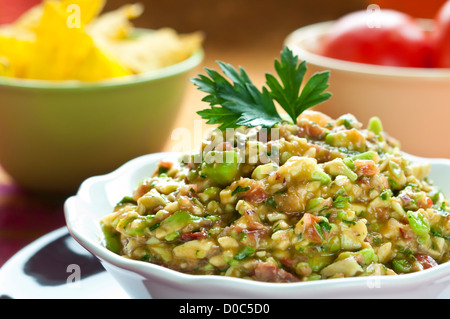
(99, 66)
(141, 51)
(86, 9)
(153, 50)
(15, 46)
(5, 67)
(69, 40)
(61, 47)
(115, 24)
(58, 48)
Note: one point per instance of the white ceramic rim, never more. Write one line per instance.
(314, 31)
(94, 246)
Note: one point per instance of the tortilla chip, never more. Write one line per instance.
(69, 40)
(153, 50)
(60, 47)
(87, 9)
(15, 46)
(99, 66)
(115, 24)
(5, 67)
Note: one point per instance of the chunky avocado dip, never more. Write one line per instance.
(315, 198)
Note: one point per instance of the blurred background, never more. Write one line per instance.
(249, 33)
(255, 28)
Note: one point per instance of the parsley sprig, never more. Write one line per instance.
(238, 102)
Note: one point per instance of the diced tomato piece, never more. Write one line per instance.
(165, 164)
(192, 236)
(429, 202)
(256, 195)
(192, 189)
(252, 220)
(426, 261)
(310, 231)
(425, 202)
(268, 272)
(406, 234)
(366, 168)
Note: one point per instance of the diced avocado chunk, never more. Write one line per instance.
(221, 167)
(173, 223)
(349, 241)
(212, 191)
(319, 175)
(315, 202)
(135, 225)
(348, 120)
(375, 125)
(244, 252)
(348, 267)
(126, 200)
(419, 224)
(303, 169)
(318, 261)
(351, 139)
(263, 171)
(349, 162)
(172, 236)
(368, 254)
(370, 155)
(112, 238)
(151, 200)
(337, 167)
(401, 266)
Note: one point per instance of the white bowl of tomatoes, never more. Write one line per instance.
(390, 64)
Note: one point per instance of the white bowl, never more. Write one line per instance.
(413, 103)
(98, 195)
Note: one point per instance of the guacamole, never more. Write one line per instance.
(317, 199)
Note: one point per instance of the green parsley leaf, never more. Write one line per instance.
(153, 227)
(240, 189)
(271, 201)
(325, 225)
(245, 252)
(342, 201)
(237, 102)
(287, 93)
(126, 200)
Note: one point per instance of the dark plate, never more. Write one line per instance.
(55, 266)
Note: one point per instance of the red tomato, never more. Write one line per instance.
(384, 37)
(441, 37)
(417, 8)
(426, 261)
(256, 195)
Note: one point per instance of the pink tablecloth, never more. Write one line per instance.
(10, 10)
(25, 217)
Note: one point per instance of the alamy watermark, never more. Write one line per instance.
(74, 19)
(74, 278)
(254, 145)
(373, 16)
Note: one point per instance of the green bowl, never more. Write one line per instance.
(53, 135)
